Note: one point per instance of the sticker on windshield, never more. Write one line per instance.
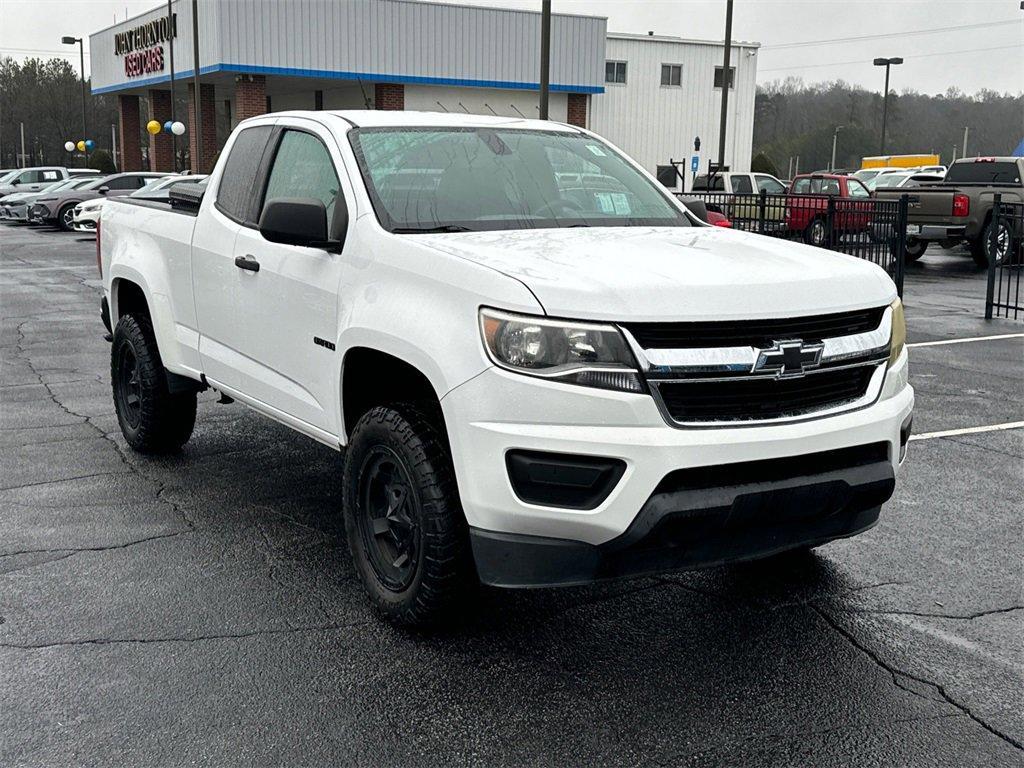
(596, 150)
(615, 203)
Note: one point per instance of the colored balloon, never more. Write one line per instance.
(69, 146)
(167, 126)
(89, 144)
(177, 128)
(80, 145)
(153, 127)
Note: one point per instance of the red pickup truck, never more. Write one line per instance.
(807, 206)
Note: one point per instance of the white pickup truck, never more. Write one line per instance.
(542, 369)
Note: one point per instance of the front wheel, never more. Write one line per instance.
(152, 419)
(406, 531)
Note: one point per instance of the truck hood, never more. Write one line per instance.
(672, 273)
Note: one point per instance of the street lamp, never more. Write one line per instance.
(835, 135)
(885, 97)
(68, 40)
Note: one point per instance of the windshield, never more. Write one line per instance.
(9, 175)
(983, 171)
(887, 180)
(480, 179)
(866, 175)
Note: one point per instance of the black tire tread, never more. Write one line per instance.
(167, 420)
(446, 573)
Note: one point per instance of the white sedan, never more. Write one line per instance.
(87, 213)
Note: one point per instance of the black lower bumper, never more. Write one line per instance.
(694, 521)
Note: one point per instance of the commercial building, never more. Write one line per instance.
(262, 55)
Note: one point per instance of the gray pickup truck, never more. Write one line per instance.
(959, 208)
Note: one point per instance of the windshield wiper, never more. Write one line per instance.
(428, 230)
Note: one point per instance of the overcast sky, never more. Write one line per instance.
(980, 43)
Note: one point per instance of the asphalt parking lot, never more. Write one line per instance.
(202, 609)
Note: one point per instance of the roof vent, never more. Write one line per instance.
(650, 33)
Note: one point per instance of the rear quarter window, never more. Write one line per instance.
(237, 190)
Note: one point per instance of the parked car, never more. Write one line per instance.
(87, 213)
(522, 381)
(959, 208)
(15, 207)
(59, 209)
(34, 179)
(900, 179)
(864, 175)
(807, 206)
(741, 207)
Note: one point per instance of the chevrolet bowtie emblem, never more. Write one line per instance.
(788, 359)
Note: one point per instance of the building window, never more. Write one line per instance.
(615, 72)
(732, 77)
(672, 74)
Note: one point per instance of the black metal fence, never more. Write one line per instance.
(1005, 260)
(875, 230)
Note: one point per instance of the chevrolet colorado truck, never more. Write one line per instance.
(959, 208)
(531, 384)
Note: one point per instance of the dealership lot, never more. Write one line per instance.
(203, 609)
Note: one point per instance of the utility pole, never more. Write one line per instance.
(113, 145)
(69, 40)
(170, 48)
(963, 146)
(726, 83)
(24, 157)
(885, 96)
(545, 56)
(835, 135)
(197, 129)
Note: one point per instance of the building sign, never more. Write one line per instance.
(142, 47)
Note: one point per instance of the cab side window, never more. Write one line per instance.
(769, 185)
(802, 186)
(856, 189)
(303, 168)
(741, 185)
(124, 182)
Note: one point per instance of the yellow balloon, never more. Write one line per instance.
(81, 146)
(153, 127)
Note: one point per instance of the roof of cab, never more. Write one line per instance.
(369, 118)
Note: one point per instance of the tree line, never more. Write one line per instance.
(793, 119)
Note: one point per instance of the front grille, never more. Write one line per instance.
(754, 333)
(752, 399)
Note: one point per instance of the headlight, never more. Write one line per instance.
(899, 332)
(573, 353)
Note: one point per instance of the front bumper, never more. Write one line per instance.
(498, 412)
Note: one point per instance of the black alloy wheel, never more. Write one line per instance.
(388, 518)
(128, 386)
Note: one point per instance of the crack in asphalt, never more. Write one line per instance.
(926, 615)
(104, 548)
(97, 641)
(984, 448)
(898, 675)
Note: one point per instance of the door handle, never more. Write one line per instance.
(247, 263)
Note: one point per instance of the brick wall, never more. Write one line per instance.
(207, 132)
(130, 124)
(577, 110)
(388, 96)
(250, 96)
(161, 147)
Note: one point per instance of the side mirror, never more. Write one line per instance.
(697, 207)
(103, 190)
(15, 182)
(296, 221)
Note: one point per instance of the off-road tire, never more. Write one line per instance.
(442, 576)
(158, 421)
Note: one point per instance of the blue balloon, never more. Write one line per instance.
(167, 126)
(89, 144)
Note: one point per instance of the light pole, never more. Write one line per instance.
(726, 82)
(885, 97)
(68, 40)
(545, 56)
(835, 135)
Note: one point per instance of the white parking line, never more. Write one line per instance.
(964, 341)
(969, 430)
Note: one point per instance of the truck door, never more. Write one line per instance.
(285, 302)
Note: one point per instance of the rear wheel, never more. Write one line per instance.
(152, 419)
(403, 519)
(816, 233)
(914, 250)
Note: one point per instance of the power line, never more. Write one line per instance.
(881, 35)
(5, 49)
(867, 61)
